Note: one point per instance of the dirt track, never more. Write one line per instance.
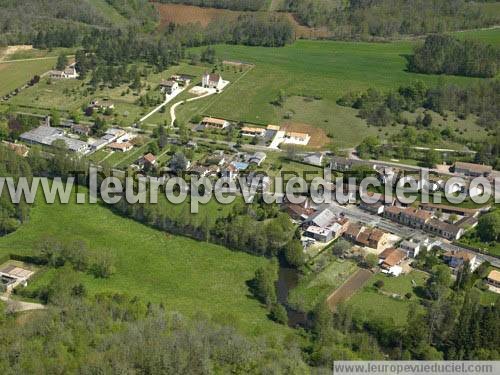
(350, 286)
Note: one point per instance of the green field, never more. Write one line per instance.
(368, 303)
(491, 36)
(17, 73)
(186, 275)
(316, 287)
(322, 69)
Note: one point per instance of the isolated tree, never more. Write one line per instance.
(178, 162)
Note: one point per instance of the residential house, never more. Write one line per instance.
(121, 147)
(472, 170)
(315, 158)
(296, 138)
(411, 248)
(147, 161)
(297, 212)
(341, 164)
(456, 259)
(68, 73)
(182, 79)
(493, 280)
(169, 86)
(376, 208)
(353, 231)
(390, 260)
(214, 123)
(409, 216)
(212, 81)
(444, 229)
(251, 131)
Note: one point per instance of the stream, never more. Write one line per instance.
(287, 280)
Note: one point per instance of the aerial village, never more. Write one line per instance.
(388, 231)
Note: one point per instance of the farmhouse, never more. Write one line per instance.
(297, 211)
(252, 131)
(168, 86)
(212, 81)
(68, 73)
(214, 123)
(472, 170)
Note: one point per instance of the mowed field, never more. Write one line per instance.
(186, 275)
(325, 70)
(14, 74)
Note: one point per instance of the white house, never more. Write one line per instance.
(212, 81)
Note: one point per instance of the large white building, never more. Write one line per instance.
(212, 81)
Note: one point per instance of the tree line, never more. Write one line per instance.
(222, 4)
(443, 54)
(379, 19)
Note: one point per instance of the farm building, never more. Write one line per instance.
(168, 86)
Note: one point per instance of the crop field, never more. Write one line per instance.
(186, 14)
(15, 74)
(323, 70)
(186, 275)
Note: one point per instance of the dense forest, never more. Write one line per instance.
(443, 54)
(389, 18)
(383, 109)
(223, 4)
(22, 20)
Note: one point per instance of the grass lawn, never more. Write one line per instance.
(371, 304)
(316, 287)
(186, 275)
(322, 69)
(17, 73)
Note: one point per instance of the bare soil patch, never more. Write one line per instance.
(185, 14)
(10, 50)
(355, 282)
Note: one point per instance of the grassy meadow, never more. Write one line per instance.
(14, 74)
(372, 304)
(322, 69)
(316, 287)
(186, 275)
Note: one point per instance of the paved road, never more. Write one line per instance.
(168, 99)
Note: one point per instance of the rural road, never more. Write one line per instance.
(172, 109)
(168, 99)
(19, 306)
